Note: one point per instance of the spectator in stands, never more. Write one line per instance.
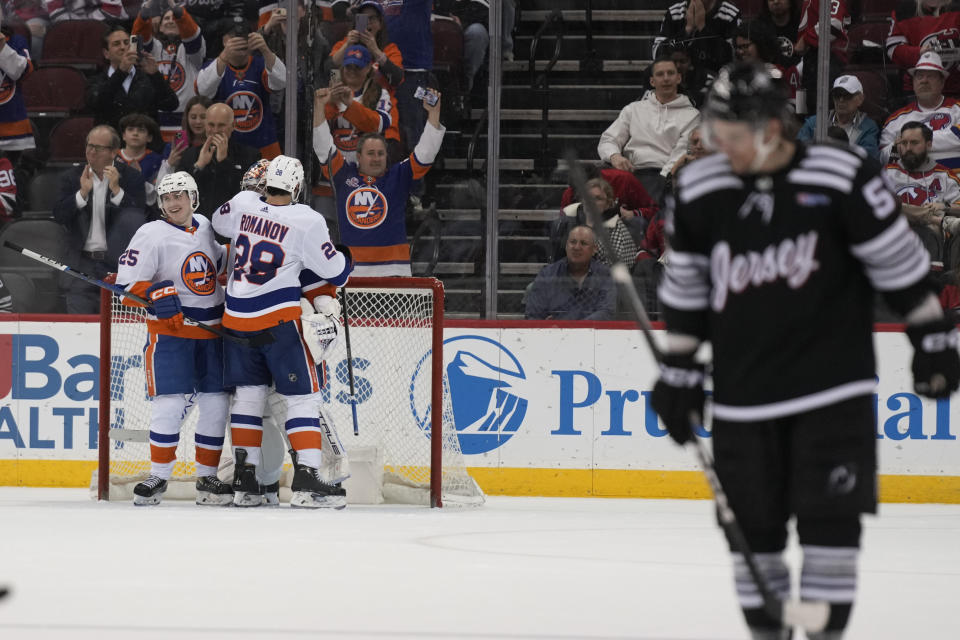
(137, 131)
(387, 59)
(509, 23)
(360, 105)
(926, 25)
(783, 16)
(179, 49)
(210, 15)
(927, 190)
(372, 194)
(31, 14)
(132, 83)
(219, 163)
(106, 10)
(245, 81)
(6, 300)
(576, 287)
(192, 133)
(939, 113)
(695, 150)
(695, 81)
(808, 41)
(626, 189)
(650, 135)
(473, 16)
(755, 41)
(409, 24)
(625, 226)
(705, 26)
(860, 130)
(101, 204)
(16, 132)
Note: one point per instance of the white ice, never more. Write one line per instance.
(525, 568)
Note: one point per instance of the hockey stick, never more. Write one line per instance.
(346, 338)
(254, 341)
(811, 616)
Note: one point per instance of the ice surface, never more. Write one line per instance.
(526, 568)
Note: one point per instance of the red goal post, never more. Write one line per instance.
(403, 406)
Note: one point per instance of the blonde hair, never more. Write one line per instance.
(603, 185)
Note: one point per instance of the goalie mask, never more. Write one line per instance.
(286, 174)
(255, 178)
(175, 182)
(746, 93)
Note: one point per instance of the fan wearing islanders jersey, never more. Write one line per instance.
(372, 196)
(173, 263)
(274, 239)
(245, 82)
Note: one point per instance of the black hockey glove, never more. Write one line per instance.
(936, 362)
(678, 394)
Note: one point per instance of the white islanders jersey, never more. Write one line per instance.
(191, 257)
(272, 245)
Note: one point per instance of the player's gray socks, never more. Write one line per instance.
(830, 575)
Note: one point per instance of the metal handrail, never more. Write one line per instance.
(591, 64)
(474, 140)
(541, 83)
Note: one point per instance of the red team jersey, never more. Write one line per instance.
(942, 33)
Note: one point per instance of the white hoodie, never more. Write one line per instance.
(649, 134)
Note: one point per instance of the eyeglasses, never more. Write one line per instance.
(98, 147)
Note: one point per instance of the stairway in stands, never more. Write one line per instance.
(586, 94)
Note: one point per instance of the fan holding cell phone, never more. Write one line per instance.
(370, 30)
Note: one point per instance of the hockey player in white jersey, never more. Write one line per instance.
(174, 263)
(275, 239)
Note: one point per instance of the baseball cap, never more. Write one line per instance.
(370, 3)
(929, 61)
(847, 84)
(357, 55)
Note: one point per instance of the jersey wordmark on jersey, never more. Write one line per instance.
(188, 256)
(765, 266)
(273, 244)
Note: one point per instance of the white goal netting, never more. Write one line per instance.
(391, 334)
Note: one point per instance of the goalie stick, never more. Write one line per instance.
(811, 616)
(254, 341)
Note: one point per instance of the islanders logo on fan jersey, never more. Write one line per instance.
(247, 110)
(173, 71)
(8, 87)
(485, 382)
(199, 274)
(366, 207)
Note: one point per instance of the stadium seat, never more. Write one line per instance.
(862, 38)
(74, 43)
(46, 237)
(22, 291)
(876, 93)
(42, 193)
(68, 141)
(54, 92)
(447, 45)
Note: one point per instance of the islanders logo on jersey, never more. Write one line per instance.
(173, 71)
(918, 194)
(366, 208)
(199, 274)
(486, 385)
(8, 87)
(247, 110)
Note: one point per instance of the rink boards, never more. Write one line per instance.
(540, 409)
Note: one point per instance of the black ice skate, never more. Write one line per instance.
(247, 492)
(150, 491)
(271, 494)
(212, 491)
(310, 492)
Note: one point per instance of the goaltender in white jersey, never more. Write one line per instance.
(174, 264)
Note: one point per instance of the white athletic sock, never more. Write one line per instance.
(829, 574)
(212, 409)
(167, 411)
(775, 570)
(246, 420)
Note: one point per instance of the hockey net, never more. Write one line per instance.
(396, 336)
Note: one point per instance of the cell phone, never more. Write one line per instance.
(335, 76)
(280, 12)
(430, 95)
(361, 22)
(135, 43)
(180, 140)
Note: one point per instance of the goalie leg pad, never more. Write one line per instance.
(334, 464)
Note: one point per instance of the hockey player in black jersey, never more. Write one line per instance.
(776, 250)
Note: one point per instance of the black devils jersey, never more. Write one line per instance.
(778, 272)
